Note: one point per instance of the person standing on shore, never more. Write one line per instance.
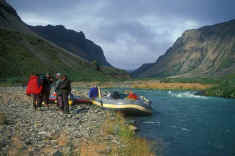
(65, 88)
(48, 80)
(34, 88)
(57, 90)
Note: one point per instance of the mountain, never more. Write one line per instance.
(22, 51)
(72, 41)
(141, 69)
(208, 51)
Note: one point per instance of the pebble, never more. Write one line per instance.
(40, 129)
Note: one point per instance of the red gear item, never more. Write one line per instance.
(132, 96)
(33, 87)
(54, 94)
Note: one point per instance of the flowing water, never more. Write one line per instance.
(185, 124)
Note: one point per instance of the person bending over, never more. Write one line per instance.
(93, 92)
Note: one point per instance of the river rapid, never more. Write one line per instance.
(186, 124)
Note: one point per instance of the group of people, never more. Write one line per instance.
(39, 86)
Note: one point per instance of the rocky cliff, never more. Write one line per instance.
(208, 51)
(72, 41)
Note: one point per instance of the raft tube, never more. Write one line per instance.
(141, 106)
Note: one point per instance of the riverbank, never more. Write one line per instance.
(87, 130)
(149, 84)
(139, 84)
(219, 88)
(224, 88)
(206, 87)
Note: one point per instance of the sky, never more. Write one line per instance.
(130, 32)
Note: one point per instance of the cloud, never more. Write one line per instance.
(130, 32)
(35, 19)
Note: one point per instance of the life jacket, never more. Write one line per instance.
(33, 86)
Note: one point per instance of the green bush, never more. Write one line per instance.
(225, 88)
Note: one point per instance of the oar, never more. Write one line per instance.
(100, 96)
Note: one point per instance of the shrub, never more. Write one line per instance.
(225, 89)
(132, 145)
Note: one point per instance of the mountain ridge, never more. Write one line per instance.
(203, 52)
(73, 41)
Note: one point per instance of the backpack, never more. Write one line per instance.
(115, 95)
(41, 80)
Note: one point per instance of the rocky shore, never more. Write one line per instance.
(49, 131)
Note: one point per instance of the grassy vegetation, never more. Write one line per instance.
(22, 54)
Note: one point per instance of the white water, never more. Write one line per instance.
(186, 94)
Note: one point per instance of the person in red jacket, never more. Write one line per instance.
(34, 88)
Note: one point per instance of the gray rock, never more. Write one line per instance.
(42, 128)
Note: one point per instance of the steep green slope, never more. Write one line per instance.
(22, 52)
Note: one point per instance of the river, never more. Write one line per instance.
(184, 124)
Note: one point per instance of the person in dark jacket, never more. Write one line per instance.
(47, 81)
(34, 88)
(65, 88)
